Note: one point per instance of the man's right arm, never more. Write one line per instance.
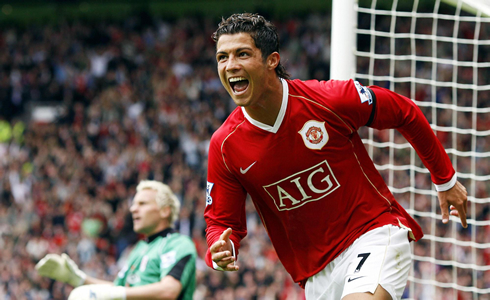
(224, 213)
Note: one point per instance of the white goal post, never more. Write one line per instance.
(437, 53)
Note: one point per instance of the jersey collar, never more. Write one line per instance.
(280, 116)
(162, 233)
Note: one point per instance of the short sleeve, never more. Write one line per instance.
(179, 260)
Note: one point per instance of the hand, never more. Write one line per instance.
(222, 252)
(457, 198)
(61, 268)
(98, 292)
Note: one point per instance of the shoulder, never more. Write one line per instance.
(138, 249)
(182, 243)
(319, 84)
(138, 245)
(229, 125)
(322, 91)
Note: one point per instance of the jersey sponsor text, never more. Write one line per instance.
(308, 185)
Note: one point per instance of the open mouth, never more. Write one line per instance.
(238, 84)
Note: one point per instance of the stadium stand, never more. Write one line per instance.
(89, 110)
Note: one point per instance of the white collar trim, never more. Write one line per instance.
(280, 116)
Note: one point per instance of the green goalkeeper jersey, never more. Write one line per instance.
(162, 254)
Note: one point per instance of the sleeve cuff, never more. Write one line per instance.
(448, 185)
(216, 267)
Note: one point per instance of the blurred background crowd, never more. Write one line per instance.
(130, 100)
(137, 100)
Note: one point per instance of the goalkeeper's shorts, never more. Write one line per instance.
(381, 256)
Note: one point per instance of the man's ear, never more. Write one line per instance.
(273, 60)
(165, 212)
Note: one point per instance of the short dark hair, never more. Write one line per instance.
(263, 33)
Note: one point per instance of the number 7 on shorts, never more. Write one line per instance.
(364, 257)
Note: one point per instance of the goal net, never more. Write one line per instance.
(437, 53)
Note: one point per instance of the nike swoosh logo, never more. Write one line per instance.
(246, 170)
(352, 279)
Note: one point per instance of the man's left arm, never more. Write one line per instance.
(396, 111)
(177, 269)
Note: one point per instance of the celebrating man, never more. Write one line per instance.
(293, 147)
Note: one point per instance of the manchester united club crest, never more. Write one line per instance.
(314, 134)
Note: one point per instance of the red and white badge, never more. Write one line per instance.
(314, 134)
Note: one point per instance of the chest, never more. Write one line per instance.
(305, 138)
(298, 164)
(145, 264)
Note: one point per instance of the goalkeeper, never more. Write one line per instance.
(160, 267)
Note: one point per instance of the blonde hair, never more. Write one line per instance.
(164, 197)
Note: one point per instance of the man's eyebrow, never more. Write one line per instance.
(235, 50)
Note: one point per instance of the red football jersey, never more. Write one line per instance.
(309, 176)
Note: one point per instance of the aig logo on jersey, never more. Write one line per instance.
(314, 134)
(298, 189)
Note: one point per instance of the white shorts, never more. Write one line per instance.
(381, 256)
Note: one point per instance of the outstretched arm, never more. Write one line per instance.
(62, 268)
(401, 113)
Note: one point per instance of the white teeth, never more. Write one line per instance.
(235, 79)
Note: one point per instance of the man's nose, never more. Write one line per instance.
(232, 64)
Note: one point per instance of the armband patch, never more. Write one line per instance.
(364, 94)
(167, 259)
(209, 187)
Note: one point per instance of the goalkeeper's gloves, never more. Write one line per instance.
(61, 268)
(98, 292)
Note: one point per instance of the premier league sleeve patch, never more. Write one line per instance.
(167, 259)
(364, 94)
(209, 187)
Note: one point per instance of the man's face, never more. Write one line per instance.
(147, 216)
(241, 68)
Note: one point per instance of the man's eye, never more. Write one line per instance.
(242, 54)
(221, 57)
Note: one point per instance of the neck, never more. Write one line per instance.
(162, 233)
(267, 110)
(161, 226)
